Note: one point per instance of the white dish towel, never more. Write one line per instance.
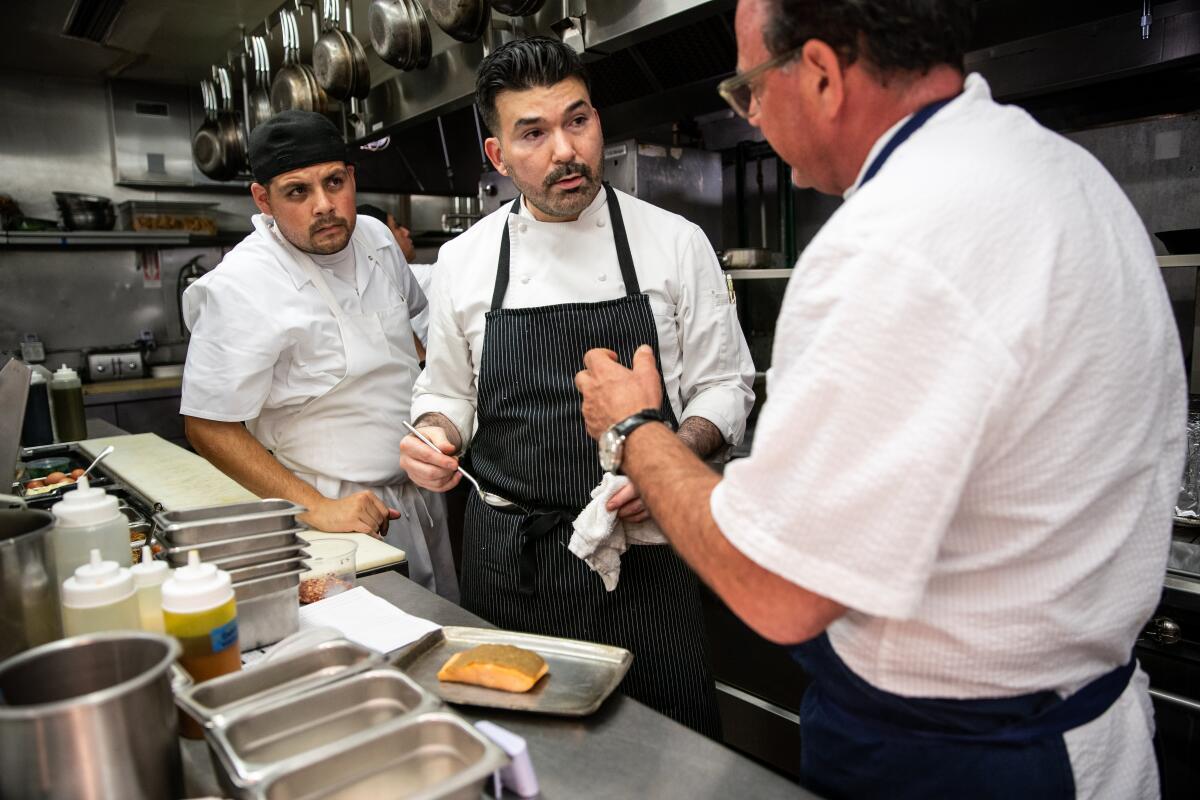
(600, 537)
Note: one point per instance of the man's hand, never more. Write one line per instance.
(437, 472)
(611, 393)
(361, 512)
(628, 505)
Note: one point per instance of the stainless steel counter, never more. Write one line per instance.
(624, 750)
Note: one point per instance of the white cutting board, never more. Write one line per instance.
(166, 473)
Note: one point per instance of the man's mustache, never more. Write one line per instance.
(566, 170)
(325, 222)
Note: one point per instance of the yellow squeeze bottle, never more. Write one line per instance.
(200, 611)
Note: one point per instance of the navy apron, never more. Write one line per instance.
(531, 446)
(858, 741)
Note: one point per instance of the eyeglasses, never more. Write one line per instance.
(739, 91)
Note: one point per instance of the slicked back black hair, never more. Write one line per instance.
(523, 64)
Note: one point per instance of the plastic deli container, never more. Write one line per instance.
(330, 568)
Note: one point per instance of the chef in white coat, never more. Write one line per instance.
(302, 357)
(517, 301)
(957, 510)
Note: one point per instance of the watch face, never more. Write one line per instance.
(610, 450)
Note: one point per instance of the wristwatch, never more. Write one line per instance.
(612, 441)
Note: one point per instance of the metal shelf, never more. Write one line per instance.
(1167, 262)
(114, 239)
(761, 274)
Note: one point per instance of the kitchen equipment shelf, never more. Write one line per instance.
(115, 239)
(1167, 262)
(1164, 262)
(757, 274)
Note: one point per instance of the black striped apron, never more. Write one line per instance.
(531, 446)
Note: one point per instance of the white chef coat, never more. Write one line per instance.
(706, 363)
(262, 337)
(424, 275)
(975, 428)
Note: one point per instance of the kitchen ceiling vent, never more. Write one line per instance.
(92, 19)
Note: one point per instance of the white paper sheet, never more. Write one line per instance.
(366, 619)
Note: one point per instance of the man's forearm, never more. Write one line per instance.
(233, 450)
(442, 421)
(701, 436)
(676, 486)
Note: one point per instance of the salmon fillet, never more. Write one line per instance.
(495, 666)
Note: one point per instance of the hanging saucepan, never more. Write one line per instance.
(424, 41)
(260, 94)
(465, 20)
(400, 33)
(229, 127)
(518, 8)
(295, 86)
(339, 63)
(362, 72)
(206, 142)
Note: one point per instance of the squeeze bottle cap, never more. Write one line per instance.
(65, 373)
(196, 587)
(97, 583)
(85, 506)
(149, 572)
(36, 377)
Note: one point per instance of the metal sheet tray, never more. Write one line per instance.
(434, 755)
(177, 554)
(211, 523)
(582, 674)
(217, 701)
(288, 732)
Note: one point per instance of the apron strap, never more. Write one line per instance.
(501, 287)
(620, 237)
(906, 130)
(536, 526)
(624, 255)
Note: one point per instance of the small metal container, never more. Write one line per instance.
(214, 523)
(265, 570)
(283, 734)
(220, 700)
(268, 608)
(259, 557)
(177, 553)
(434, 755)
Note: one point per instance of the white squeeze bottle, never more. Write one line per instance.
(148, 578)
(88, 519)
(99, 597)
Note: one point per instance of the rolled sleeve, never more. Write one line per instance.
(717, 374)
(447, 384)
(233, 351)
(849, 491)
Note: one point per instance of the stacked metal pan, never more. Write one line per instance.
(331, 721)
(259, 545)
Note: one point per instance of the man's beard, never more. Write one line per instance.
(567, 203)
(328, 246)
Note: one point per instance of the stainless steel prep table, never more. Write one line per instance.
(624, 750)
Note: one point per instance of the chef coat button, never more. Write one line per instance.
(522, 227)
(603, 277)
(600, 223)
(524, 279)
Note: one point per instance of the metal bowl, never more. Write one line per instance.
(85, 212)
